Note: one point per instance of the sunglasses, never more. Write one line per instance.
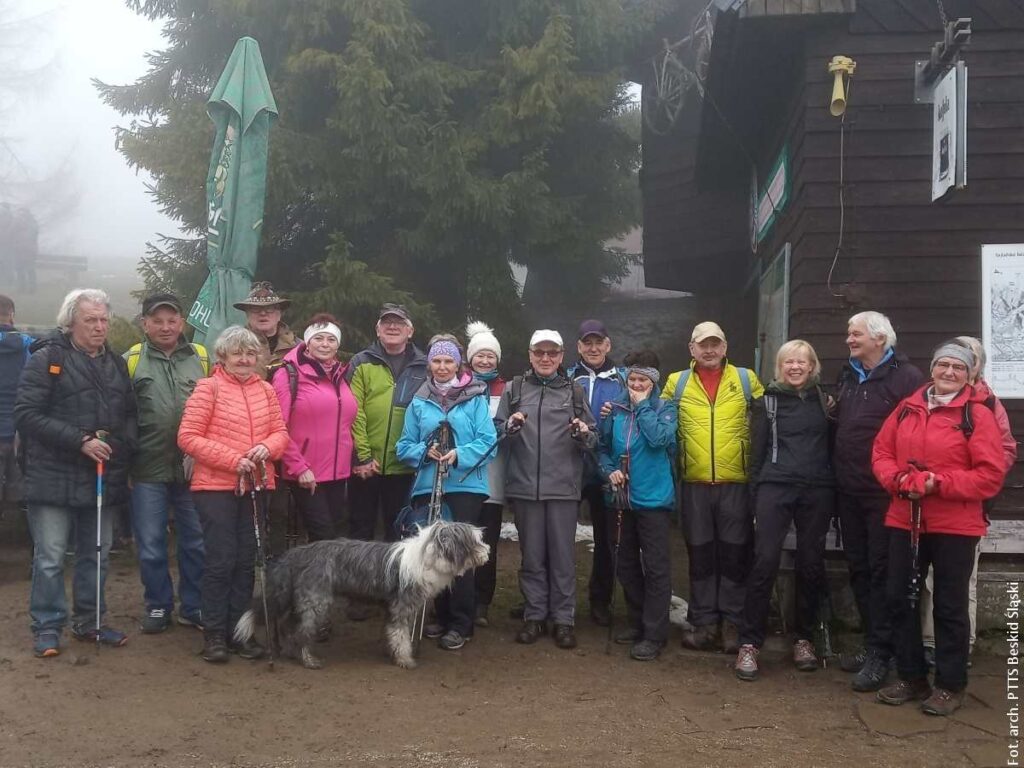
(549, 353)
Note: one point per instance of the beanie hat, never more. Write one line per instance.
(481, 337)
(955, 351)
(445, 347)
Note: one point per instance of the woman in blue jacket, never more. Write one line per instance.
(637, 444)
(447, 397)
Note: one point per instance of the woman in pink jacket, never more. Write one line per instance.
(231, 427)
(319, 409)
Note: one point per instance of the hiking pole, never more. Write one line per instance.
(621, 503)
(914, 587)
(261, 560)
(101, 435)
(442, 439)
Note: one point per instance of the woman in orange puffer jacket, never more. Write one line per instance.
(231, 425)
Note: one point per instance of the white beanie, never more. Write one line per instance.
(313, 330)
(481, 337)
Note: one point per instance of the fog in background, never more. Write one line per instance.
(93, 204)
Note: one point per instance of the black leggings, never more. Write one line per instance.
(319, 509)
(487, 574)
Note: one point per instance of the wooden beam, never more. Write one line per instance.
(792, 7)
(811, 6)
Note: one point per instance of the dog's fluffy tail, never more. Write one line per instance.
(246, 627)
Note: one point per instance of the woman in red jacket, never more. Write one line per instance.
(939, 448)
(319, 409)
(231, 425)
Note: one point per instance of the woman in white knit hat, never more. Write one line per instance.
(483, 354)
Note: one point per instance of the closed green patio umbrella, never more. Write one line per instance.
(242, 107)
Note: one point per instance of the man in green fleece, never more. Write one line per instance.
(383, 377)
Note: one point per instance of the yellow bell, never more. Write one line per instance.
(838, 66)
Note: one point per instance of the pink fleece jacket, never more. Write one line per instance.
(319, 421)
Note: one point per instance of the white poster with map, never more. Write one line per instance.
(1002, 317)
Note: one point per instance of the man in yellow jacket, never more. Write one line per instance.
(713, 397)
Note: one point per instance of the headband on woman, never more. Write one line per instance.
(330, 328)
(445, 347)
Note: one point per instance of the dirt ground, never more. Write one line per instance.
(493, 703)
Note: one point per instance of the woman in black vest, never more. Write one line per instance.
(791, 474)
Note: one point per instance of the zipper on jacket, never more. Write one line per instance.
(540, 404)
(712, 440)
(387, 434)
(337, 431)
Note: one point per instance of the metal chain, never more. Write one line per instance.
(942, 14)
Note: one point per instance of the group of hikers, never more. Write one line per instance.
(905, 461)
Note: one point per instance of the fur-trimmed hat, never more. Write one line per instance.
(481, 337)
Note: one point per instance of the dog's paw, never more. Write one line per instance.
(405, 662)
(309, 661)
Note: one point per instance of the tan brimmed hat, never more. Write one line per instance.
(707, 330)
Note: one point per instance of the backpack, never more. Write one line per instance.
(771, 409)
(135, 352)
(516, 393)
(684, 377)
(293, 380)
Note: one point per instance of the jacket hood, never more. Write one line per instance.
(296, 356)
(918, 401)
(780, 388)
(468, 391)
(881, 371)
(49, 338)
(412, 353)
(11, 342)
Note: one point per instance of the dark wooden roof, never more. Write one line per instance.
(754, 8)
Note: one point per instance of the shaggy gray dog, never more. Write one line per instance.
(302, 584)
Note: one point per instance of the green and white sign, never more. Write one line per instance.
(771, 198)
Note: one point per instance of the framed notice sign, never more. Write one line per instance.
(944, 135)
(1002, 317)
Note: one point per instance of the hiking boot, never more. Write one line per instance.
(155, 621)
(215, 650)
(433, 630)
(701, 638)
(194, 620)
(517, 611)
(872, 675)
(530, 631)
(481, 619)
(803, 656)
(46, 644)
(943, 703)
(250, 649)
(646, 650)
(629, 636)
(852, 662)
(107, 635)
(903, 691)
(600, 614)
(746, 663)
(730, 637)
(565, 636)
(452, 640)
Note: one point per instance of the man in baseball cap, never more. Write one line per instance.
(713, 397)
(263, 309)
(392, 364)
(602, 382)
(164, 369)
(549, 427)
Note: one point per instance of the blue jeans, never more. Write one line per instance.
(150, 504)
(51, 528)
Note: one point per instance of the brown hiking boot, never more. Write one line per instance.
(746, 663)
(943, 703)
(803, 656)
(701, 638)
(730, 637)
(903, 691)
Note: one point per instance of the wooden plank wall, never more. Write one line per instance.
(754, 8)
(917, 261)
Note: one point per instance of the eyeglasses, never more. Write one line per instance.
(955, 367)
(549, 353)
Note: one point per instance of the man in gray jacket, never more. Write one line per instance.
(549, 425)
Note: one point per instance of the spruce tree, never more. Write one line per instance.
(422, 146)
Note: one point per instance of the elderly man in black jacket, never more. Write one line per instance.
(75, 410)
(872, 382)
